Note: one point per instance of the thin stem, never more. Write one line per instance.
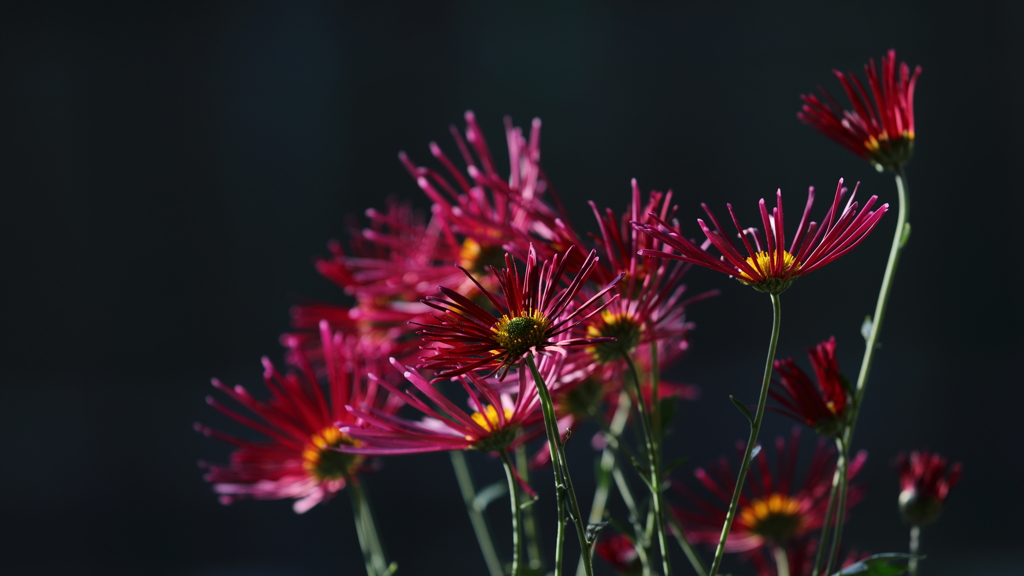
(563, 481)
(781, 561)
(607, 463)
(366, 530)
(823, 538)
(533, 553)
(654, 466)
(915, 548)
(513, 491)
(476, 516)
(755, 427)
(844, 483)
(634, 518)
(691, 554)
(898, 242)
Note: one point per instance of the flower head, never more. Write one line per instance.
(534, 313)
(773, 509)
(769, 266)
(823, 407)
(619, 552)
(882, 133)
(924, 485)
(298, 459)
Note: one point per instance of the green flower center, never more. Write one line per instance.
(517, 335)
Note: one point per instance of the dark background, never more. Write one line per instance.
(168, 173)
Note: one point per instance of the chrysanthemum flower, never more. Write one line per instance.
(924, 485)
(534, 314)
(769, 267)
(773, 509)
(494, 423)
(823, 407)
(298, 458)
(651, 307)
(882, 133)
(619, 552)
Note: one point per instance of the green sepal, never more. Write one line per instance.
(886, 564)
(744, 409)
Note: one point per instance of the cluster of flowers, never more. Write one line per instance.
(462, 320)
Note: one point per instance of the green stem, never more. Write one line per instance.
(915, 548)
(563, 481)
(755, 428)
(533, 553)
(366, 530)
(653, 464)
(844, 482)
(823, 537)
(513, 491)
(691, 554)
(607, 464)
(781, 561)
(476, 516)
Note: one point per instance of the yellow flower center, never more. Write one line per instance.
(873, 144)
(517, 335)
(478, 258)
(624, 327)
(776, 518)
(764, 263)
(498, 437)
(324, 463)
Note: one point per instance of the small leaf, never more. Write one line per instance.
(906, 234)
(865, 328)
(746, 412)
(668, 467)
(593, 529)
(529, 503)
(489, 494)
(755, 451)
(887, 564)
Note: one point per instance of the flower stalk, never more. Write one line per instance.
(517, 512)
(476, 516)
(755, 428)
(366, 530)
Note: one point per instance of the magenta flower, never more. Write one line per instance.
(494, 423)
(823, 407)
(773, 509)
(298, 457)
(769, 267)
(924, 485)
(883, 133)
(619, 552)
(534, 315)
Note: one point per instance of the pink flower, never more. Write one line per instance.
(298, 459)
(823, 407)
(769, 267)
(924, 485)
(882, 134)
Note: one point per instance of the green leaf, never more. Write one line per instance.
(887, 564)
(489, 494)
(906, 234)
(592, 530)
(746, 412)
(865, 327)
(668, 467)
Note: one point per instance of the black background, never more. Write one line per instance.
(169, 171)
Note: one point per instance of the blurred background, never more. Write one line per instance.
(169, 171)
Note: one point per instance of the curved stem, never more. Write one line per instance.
(513, 491)
(476, 517)
(691, 553)
(654, 466)
(755, 427)
(915, 548)
(844, 483)
(366, 530)
(563, 482)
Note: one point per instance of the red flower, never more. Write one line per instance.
(822, 407)
(298, 459)
(769, 267)
(773, 510)
(924, 485)
(534, 313)
(882, 134)
(620, 553)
